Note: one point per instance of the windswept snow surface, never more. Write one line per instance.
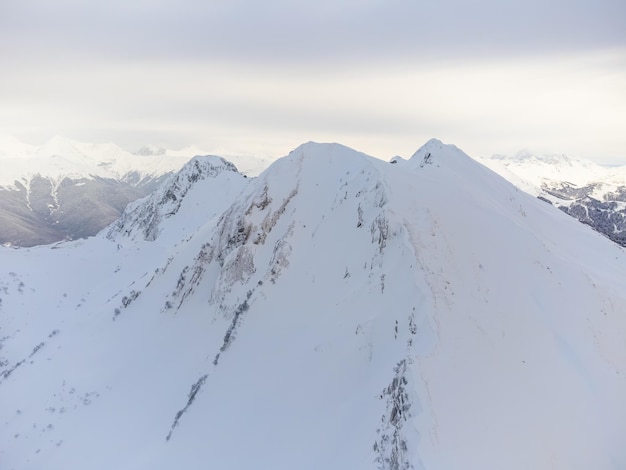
(336, 312)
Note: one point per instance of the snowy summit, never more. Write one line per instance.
(336, 312)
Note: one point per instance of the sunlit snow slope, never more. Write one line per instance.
(337, 312)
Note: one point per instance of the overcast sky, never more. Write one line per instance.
(382, 76)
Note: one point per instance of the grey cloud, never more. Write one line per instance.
(299, 30)
(283, 71)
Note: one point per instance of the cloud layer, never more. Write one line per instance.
(243, 76)
(278, 30)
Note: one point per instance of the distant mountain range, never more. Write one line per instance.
(335, 312)
(66, 190)
(594, 194)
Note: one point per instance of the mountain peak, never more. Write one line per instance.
(529, 155)
(322, 149)
(11, 147)
(435, 152)
(320, 159)
(433, 142)
(59, 146)
(532, 168)
(144, 218)
(365, 315)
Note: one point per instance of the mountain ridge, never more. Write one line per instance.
(66, 189)
(338, 311)
(61, 158)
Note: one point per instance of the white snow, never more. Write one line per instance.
(65, 158)
(13, 147)
(336, 312)
(529, 171)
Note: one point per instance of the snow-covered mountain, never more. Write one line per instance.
(594, 194)
(68, 190)
(336, 312)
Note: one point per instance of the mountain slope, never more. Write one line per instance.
(66, 190)
(593, 194)
(335, 312)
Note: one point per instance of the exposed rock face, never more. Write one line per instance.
(66, 190)
(145, 217)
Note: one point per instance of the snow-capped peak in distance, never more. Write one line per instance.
(62, 158)
(59, 146)
(594, 194)
(12, 147)
(530, 170)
